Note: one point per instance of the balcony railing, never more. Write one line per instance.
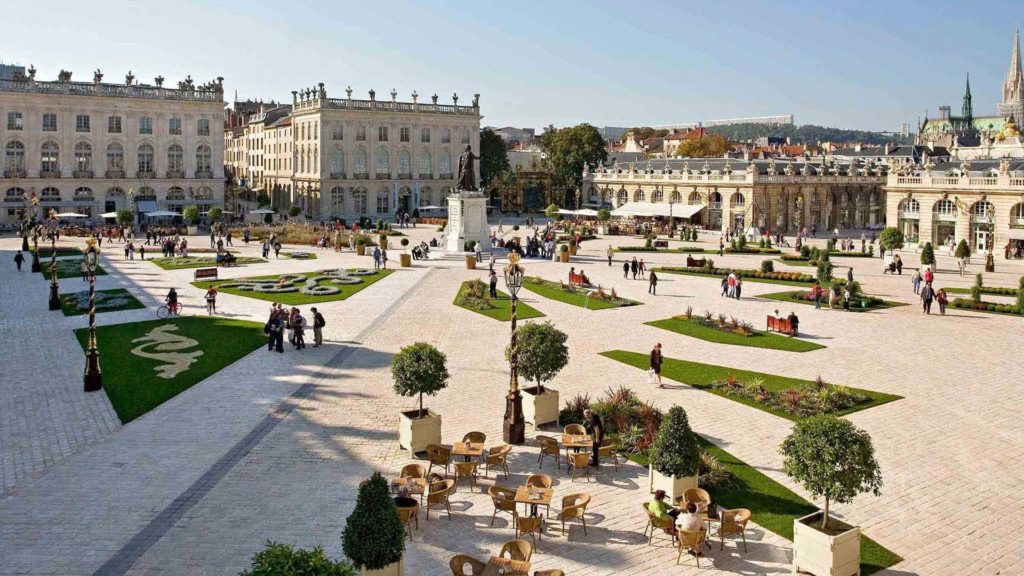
(445, 176)
(361, 175)
(115, 173)
(383, 175)
(82, 173)
(15, 174)
(715, 206)
(337, 175)
(405, 176)
(426, 176)
(49, 173)
(141, 174)
(204, 174)
(175, 173)
(84, 198)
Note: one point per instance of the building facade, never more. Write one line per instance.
(94, 147)
(346, 158)
(981, 202)
(725, 194)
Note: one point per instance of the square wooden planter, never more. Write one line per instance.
(563, 256)
(396, 569)
(405, 259)
(674, 486)
(361, 249)
(822, 554)
(470, 262)
(415, 434)
(540, 409)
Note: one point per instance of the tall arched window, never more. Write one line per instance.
(404, 162)
(359, 165)
(426, 195)
(337, 163)
(204, 160)
(203, 193)
(83, 157)
(446, 164)
(639, 195)
(737, 200)
(693, 198)
(359, 200)
(465, 136)
(623, 197)
(1017, 214)
(49, 157)
(115, 157)
(146, 158)
(176, 193)
(910, 206)
(383, 204)
(14, 157)
(426, 164)
(982, 211)
(83, 193)
(50, 194)
(945, 208)
(676, 197)
(383, 162)
(175, 159)
(337, 200)
(302, 159)
(657, 196)
(716, 200)
(14, 195)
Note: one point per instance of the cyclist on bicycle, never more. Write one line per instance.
(172, 301)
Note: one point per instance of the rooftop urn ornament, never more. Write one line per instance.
(394, 94)
(97, 76)
(772, 168)
(159, 81)
(615, 166)
(415, 96)
(686, 167)
(750, 167)
(965, 167)
(373, 94)
(667, 169)
(129, 78)
(321, 93)
(64, 76)
(727, 169)
(348, 92)
(1004, 167)
(788, 170)
(455, 98)
(32, 72)
(189, 83)
(648, 169)
(705, 169)
(434, 98)
(476, 100)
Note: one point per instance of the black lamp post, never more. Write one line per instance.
(93, 380)
(35, 254)
(514, 425)
(54, 287)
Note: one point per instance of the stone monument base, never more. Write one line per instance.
(467, 221)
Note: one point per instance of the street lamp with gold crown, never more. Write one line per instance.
(514, 425)
(92, 378)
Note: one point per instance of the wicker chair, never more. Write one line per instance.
(539, 480)
(531, 525)
(698, 496)
(555, 572)
(475, 437)
(579, 461)
(498, 458)
(465, 470)
(504, 501)
(549, 447)
(575, 506)
(459, 562)
(654, 523)
(691, 540)
(578, 429)
(516, 550)
(609, 452)
(438, 496)
(439, 456)
(413, 471)
(408, 515)
(733, 522)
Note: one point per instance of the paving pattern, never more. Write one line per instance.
(274, 446)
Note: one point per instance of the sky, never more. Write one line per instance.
(865, 65)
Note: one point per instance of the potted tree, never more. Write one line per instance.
(470, 256)
(374, 538)
(963, 250)
(675, 455)
(603, 216)
(191, 216)
(515, 228)
(404, 258)
(541, 354)
(572, 246)
(215, 215)
(294, 210)
(563, 252)
(419, 369)
(383, 241)
(928, 254)
(276, 559)
(834, 460)
(891, 239)
(361, 245)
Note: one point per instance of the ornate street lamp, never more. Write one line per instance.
(54, 287)
(92, 379)
(514, 425)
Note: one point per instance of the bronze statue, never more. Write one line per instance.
(467, 178)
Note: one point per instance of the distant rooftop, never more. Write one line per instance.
(24, 81)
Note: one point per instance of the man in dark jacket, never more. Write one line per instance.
(596, 428)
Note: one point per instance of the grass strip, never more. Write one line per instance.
(578, 297)
(69, 302)
(757, 339)
(502, 307)
(296, 298)
(787, 296)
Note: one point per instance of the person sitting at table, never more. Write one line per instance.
(662, 511)
(690, 519)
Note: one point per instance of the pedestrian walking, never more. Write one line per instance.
(643, 268)
(738, 288)
(816, 294)
(493, 284)
(318, 328)
(915, 281)
(656, 361)
(384, 258)
(942, 299)
(142, 251)
(653, 288)
(211, 300)
(725, 285)
(927, 294)
(19, 259)
(596, 428)
(266, 248)
(376, 257)
(634, 267)
(611, 252)
(625, 269)
(849, 275)
(275, 332)
(277, 249)
(846, 299)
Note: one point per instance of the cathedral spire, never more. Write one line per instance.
(967, 112)
(1013, 86)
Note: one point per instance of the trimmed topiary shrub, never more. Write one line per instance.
(767, 266)
(419, 369)
(963, 250)
(1020, 296)
(675, 451)
(928, 254)
(976, 288)
(824, 268)
(374, 536)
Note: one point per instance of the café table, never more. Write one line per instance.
(577, 442)
(468, 450)
(543, 498)
(416, 486)
(497, 566)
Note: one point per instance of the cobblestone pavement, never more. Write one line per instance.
(274, 446)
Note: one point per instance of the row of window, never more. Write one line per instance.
(49, 158)
(383, 134)
(83, 123)
(947, 208)
(382, 162)
(53, 194)
(358, 200)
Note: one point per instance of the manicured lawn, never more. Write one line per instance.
(746, 277)
(77, 303)
(136, 357)
(795, 262)
(502, 307)
(774, 507)
(786, 297)
(702, 376)
(578, 297)
(759, 339)
(180, 263)
(67, 268)
(296, 298)
(304, 255)
(681, 249)
(46, 251)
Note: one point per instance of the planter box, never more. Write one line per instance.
(414, 434)
(383, 242)
(540, 409)
(572, 250)
(192, 230)
(470, 262)
(674, 486)
(396, 569)
(361, 249)
(405, 260)
(824, 554)
(602, 230)
(563, 256)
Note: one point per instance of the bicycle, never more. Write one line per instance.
(168, 309)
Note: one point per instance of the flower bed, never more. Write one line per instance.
(683, 249)
(77, 303)
(473, 296)
(296, 289)
(746, 274)
(67, 268)
(751, 250)
(967, 304)
(598, 299)
(801, 401)
(728, 330)
(179, 262)
(858, 303)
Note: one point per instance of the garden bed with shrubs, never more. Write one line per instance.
(599, 298)
(982, 306)
(859, 302)
(728, 330)
(298, 289)
(473, 295)
(793, 278)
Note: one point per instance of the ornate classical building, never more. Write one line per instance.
(95, 147)
(346, 157)
(724, 194)
(982, 202)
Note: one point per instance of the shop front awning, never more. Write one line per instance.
(649, 209)
(145, 206)
(1015, 234)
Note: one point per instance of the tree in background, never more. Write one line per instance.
(551, 211)
(125, 217)
(294, 210)
(641, 134)
(215, 214)
(263, 199)
(891, 239)
(712, 145)
(568, 149)
(507, 184)
(190, 214)
(493, 156)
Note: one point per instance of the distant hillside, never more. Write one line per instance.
(806, 134)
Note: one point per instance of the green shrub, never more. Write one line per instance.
(603, 215)
(675, 451)
(419, 369)
(190, 214)
(649, 243)
(963, 250)
(824, 268)
(294, 210)
(563, 247)
(767, 266)
(1020, 296)
(976, 288)
(374, 536)
(540, 351)
(805, 251)
(891, 239)
(928, 255)
(283, 560)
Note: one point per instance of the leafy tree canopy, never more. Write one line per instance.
(891, 238)
(568, 149)
(283, 560)
(190, 214)
(493, 156)
(541, 352)
(124, 217)
(712, 146)
(419, 369)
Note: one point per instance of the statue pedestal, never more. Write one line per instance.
(467, 221)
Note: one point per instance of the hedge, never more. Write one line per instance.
(967, 304)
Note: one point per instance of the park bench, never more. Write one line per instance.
(227, 260)
(692, 262)
(576, 280)
(661, 243)
(781, 325)
(206, 273)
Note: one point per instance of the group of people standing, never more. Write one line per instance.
(295, 324)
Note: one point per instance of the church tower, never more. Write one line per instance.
(967, 112)
(1013, 86)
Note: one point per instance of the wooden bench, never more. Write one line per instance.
(206, 274)
(227, 260)
(661, 243)
(781, 325)
(692, 262)
(576, 280)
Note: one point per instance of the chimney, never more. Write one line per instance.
(887, 148)
(856, 147)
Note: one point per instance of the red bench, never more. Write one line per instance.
(781, 325)
(692, 262)
(577, 280)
